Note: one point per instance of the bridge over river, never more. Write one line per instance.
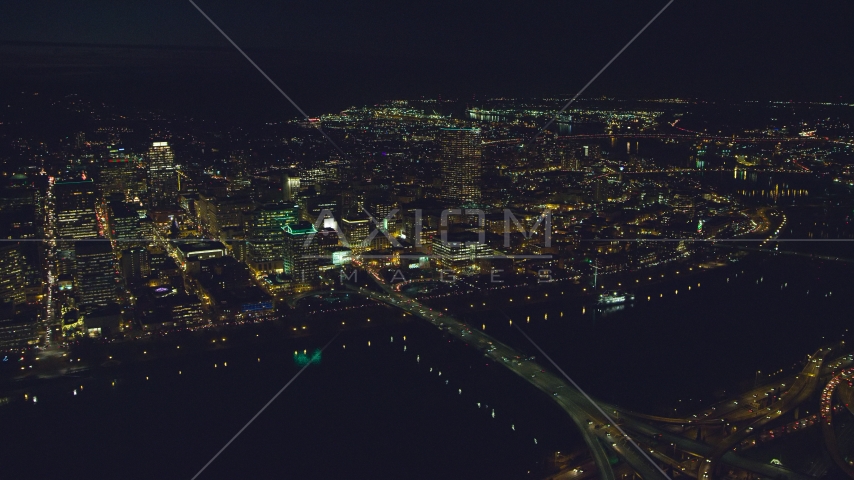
(600, 435)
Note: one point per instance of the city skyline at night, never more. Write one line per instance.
(598, 240)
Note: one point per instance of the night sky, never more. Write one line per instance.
(333, 54)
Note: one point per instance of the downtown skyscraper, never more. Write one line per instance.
(95, 278)
(75, 209)
(162, 176)
(301, 252)
(265, 229)
(12, 274)
(461, 165)
(120, 177)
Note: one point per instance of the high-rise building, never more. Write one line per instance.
(121, 176)
(265, 233)
(312, 207)
(124, 223)
(301, 252)
(461, 164)
(75, 218)
(22, 221)
(75, 209)
(95, 275)
(356, 231)
(191, 253)
(18, 327)
(217, 214)
(162, 176)
(352, 202)
(290, 186)
(13, 198)
(12, 266)
(135, 265)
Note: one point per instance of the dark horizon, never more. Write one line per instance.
(334, 56)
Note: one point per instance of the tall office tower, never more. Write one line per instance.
(461, 164)
(290, 186)
(162, 176)
(301, 252)
(135, 265)
(120, 176)
(12, 266)
(14, 198)
(380, 208)
(75, 209)
(95, 276)
(124, 224)
(218, 214)
(265, 233)
(352, 202)
(357, 230)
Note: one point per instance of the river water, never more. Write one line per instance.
(373, 408)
